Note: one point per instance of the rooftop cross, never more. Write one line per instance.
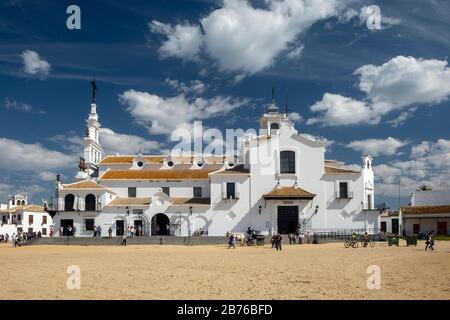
(94, 89)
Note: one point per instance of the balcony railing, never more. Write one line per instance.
(230, 196)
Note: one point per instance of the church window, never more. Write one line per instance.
(90, 202)
(131, 192)
(231, 190)
(30, 219)
(140, 164)
(287, 162)
(274, 126)
(343, 190)
(170, 163)
(68, 202)
(44, 219)
(197, 192)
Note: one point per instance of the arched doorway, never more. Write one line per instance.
(90, 202)
(160, 225)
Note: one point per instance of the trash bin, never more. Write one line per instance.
(393, 241)
(411, 240)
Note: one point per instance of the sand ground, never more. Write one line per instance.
(326, 271)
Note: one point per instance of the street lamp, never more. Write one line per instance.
(190, 214)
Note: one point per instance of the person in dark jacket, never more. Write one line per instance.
(278, 240)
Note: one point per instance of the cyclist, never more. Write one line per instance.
(353, 237)
(366, 239)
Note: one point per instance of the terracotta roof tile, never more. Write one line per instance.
(426, 209)
(122, 202)
(238, 169)
(86, 184)
(155, 159)
(190, 201)
(28, 208)
(161, 174)
(336, 170)
(288, 193)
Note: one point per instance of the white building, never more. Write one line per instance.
(429, 211)
(18, 216)
(278, 180)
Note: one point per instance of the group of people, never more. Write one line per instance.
(200, 232)
(20, 238)
(299, 238)
(134, 232)
(276, 241)
(98, 231)
(67, 231)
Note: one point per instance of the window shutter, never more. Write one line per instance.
(238, 190)
(350, 189)
(336, 189)
(224, 189)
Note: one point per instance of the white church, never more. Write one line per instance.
(279, 180)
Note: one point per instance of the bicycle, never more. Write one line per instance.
(351, 243)
(367, 243)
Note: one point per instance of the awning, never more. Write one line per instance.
(288, 193)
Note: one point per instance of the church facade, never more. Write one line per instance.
(278, 180)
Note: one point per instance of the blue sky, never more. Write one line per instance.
(382, 91)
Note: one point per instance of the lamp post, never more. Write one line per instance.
(190, 215)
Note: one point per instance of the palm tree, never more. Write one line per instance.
(424, 187)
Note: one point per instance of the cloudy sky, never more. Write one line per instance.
(163, 65)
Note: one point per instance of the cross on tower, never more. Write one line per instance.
(94, 89)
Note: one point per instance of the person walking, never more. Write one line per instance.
(278, 240)
(231, 242)
(61, 231)
(124, 240)
(95, 231)
(13, 240)
(6, 238)
(429, 243)
(99, 231)
(109, 233)
(52, 232)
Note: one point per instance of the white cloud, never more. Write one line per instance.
(19, 106)
(164, 115)
(337, 110)
(377, 147)
(121, 143)
(194, 86)
(19, 156)
(33, 64)
(47, 176)
(295, 53)
(399, 83)
(183, 41)
(404, 81)
(243, 38)
(295, 117)
(405, 115)
(428, 163)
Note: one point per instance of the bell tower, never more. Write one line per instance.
(273, 119)
(92, 147)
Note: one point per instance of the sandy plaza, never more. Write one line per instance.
(325, 271)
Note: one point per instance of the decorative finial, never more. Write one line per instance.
(273, 94)
(82, 165)
(94, 89)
